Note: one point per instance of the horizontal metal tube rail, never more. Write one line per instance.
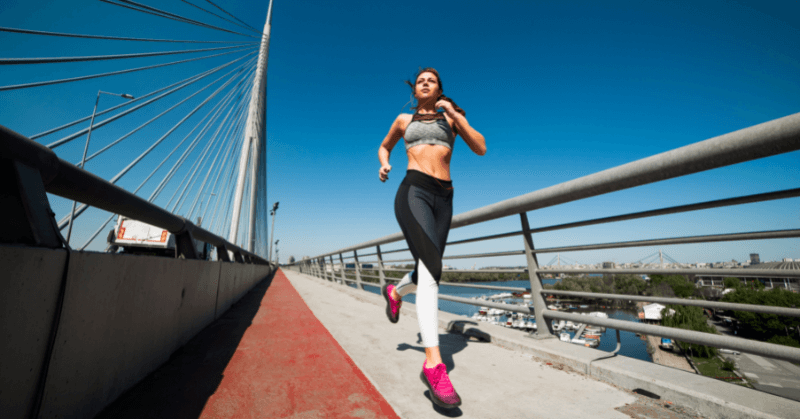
(769, 350)
(747, 273)
(747, 199)
(756, 235)
(486, 287)
(744, 345)
(66, 180)
(770, 138)
(781, 311)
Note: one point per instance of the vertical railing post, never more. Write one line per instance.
(333, 270)
(358, 271)
(380, 267)
(325, 269)
(544, 328)
(341, 260)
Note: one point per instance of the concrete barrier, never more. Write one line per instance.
(227, 282)
(31, 279)
(122, 317)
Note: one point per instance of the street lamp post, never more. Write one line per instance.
(276, 252)
(272, 231)
(208, 201)
(86, 148)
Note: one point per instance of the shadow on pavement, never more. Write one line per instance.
(181, 387)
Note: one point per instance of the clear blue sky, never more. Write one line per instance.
(559, 91)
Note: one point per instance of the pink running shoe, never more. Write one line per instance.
(392, 305)
(442, 391)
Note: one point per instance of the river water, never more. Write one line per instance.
(632, 345)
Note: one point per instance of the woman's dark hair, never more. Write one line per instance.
(441, 88)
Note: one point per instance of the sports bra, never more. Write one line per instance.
(437, 132)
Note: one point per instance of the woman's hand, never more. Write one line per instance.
(447, 106)
(383, 173)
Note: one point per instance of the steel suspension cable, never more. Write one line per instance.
(117, 141)
(218, 220)
(180, 185)
(202, 160)
(114, 73)
(216, 110)
(51, 60)
(223, 18)
(118, 38)
(227, 186)
(226, 189)
(223, 11)
(126, 103)
(119, 175)
(157, 12)
(103, 226)
(80, 133)
(211, 169)
(225, 164)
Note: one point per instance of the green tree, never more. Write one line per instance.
(763, 326)
(689, 318)
(679, 284)
(731, 282)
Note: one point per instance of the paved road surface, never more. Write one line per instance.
(773, 376)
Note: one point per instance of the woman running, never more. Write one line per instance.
(423, 207)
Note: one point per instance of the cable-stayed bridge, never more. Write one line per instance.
(226, 333)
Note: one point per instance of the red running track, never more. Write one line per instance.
(288, 365)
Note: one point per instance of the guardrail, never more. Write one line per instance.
(38, 170)
(767, 139)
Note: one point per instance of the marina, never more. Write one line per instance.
(597, 337)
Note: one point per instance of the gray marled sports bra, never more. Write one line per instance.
(435, 132)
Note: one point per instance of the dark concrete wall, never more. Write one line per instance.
(30, 279)
(122, 317)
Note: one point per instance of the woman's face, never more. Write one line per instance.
(427, 86)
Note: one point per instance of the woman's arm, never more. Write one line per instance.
(473, 138)
(394, 135)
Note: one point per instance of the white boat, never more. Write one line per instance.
(599, 314)
(564, 337)
(579, 341)
(570, 325)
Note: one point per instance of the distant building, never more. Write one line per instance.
(609, 265)
(754, 259)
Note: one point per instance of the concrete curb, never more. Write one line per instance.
(712, 398)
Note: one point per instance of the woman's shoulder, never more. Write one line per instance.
(403, 120)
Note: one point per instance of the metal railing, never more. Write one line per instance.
(767, 139)
(38, 169)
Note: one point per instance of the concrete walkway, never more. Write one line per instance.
(493, 382)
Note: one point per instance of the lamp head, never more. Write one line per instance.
(126, 96)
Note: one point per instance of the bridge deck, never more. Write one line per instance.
(272, 356)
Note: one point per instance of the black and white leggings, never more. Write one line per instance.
(424, 207)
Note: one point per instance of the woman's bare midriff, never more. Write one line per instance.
(433, 160)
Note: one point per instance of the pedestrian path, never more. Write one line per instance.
(493, 382)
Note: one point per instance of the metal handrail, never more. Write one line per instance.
(770, 138)
(66, 180)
